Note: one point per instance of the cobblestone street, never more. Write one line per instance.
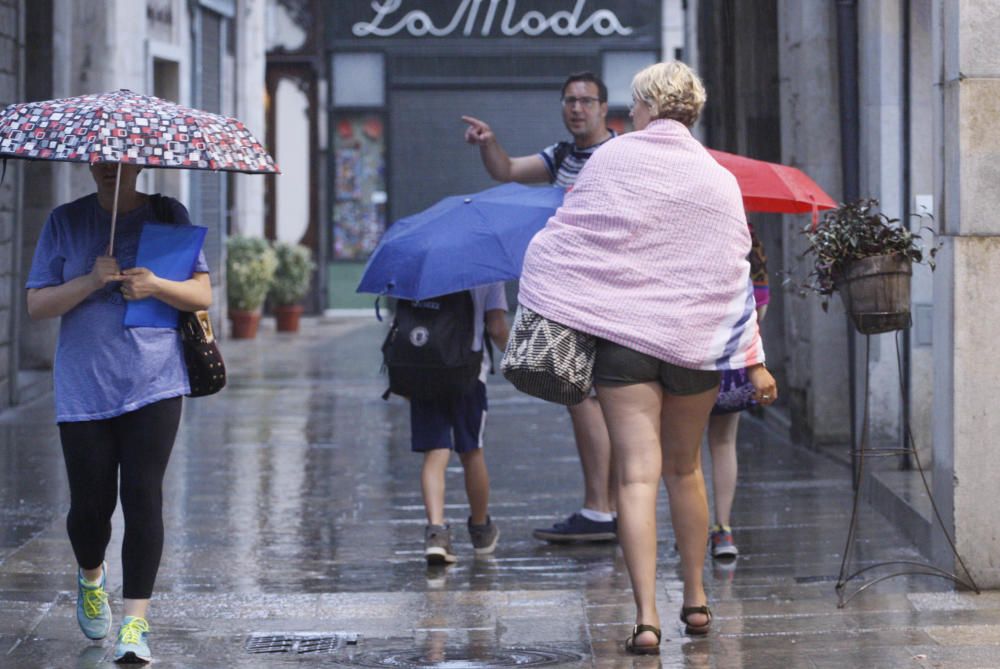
(293, 508)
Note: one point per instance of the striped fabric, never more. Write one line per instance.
(649, 250)
(566, 173)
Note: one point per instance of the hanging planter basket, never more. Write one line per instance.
(876, 293)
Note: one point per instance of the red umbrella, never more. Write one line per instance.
(774, 188)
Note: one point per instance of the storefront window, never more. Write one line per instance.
(618, 69)
(359, 208)
(358, 80)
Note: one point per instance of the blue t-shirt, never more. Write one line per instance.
(103, 369)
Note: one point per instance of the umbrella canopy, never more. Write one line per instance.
(774, 188)
(125, 127)
(461, 242)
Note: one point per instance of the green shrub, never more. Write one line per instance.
(294, 273)
(250, 266)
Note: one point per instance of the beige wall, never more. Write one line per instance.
(967, 312)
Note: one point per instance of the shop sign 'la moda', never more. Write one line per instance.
(483, 14)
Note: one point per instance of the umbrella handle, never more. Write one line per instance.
(114, 211)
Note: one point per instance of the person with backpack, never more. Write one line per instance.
(434, 354)
(118, 391)
(584, 104)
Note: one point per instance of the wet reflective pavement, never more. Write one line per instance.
(294, 513)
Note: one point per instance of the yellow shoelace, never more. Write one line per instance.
(132, 631)
(94, 601)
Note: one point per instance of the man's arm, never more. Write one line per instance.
(524, 169)
(496, 327)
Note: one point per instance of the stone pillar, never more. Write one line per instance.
(967, 311)
(881, 174)
(251, 47)
(921, 106)
(11, 41)
(816, 341)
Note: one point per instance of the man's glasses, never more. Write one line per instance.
(588, 102)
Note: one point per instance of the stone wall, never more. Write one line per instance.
(967, 312)
(10, 89)
(816, 340)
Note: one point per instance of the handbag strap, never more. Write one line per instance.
(161, 208)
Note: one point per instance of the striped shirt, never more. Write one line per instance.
(564, 175)
(649, 250)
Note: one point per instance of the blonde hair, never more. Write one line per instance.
(672, 90)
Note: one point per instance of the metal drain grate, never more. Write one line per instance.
(461, 658)
(299, 643)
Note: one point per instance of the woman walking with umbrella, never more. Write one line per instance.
(118, 389)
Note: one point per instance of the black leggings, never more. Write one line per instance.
(138, 444)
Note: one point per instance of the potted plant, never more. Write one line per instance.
(867, 257)
(290, 284)
(250, 265)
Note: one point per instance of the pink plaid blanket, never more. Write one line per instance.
(649, 250)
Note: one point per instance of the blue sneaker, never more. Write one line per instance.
(131, 646)
(92, 609)
(579, 528)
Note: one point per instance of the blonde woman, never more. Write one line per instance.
(648, 253)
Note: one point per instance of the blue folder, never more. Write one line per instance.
(170, 252)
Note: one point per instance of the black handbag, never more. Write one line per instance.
(206, 369)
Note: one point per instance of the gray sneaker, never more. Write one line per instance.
(437, 545)
(484, 537)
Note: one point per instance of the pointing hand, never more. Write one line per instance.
(478, 132)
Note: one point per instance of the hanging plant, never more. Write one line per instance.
(852, 232)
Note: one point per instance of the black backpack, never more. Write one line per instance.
(428, 350)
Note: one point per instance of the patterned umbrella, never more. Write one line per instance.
(125, 127)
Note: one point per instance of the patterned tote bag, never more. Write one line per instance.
(549, 360)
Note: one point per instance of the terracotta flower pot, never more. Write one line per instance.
(287, 317)
(244, 323)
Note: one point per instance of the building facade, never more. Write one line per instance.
(896, 100)
(402, 74)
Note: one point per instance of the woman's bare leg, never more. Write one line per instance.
(633, 416)
(722, 430)
(683, 422)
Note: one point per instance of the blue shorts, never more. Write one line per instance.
(455, 423)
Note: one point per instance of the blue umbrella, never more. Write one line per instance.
(461, 242)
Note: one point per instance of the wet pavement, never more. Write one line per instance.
(295, 524)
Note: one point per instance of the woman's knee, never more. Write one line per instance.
(681, 467)
(140, 500)
(637, 476)
(94, 511)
